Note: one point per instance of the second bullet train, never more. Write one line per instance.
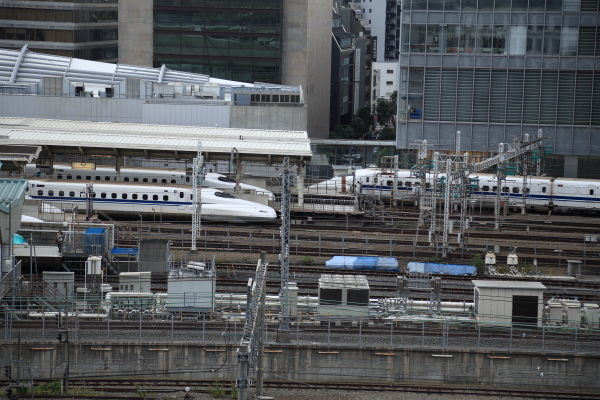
(542, 193)
(144, 175)
(131, 199)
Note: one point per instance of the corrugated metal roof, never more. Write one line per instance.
(508, 284)
(152, 130)
(12, 193)
(34, 66)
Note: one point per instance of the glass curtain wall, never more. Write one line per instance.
(229, 39)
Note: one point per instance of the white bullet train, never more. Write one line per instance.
(144, 175)
(131, 199)
(543, 193)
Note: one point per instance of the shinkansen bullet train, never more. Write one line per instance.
(543, 193)
(144, 175)
(139, 198)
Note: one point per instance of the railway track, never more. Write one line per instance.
(123, 386)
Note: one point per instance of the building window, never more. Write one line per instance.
(389, 83)
(390, 71)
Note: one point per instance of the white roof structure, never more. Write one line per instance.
(508, 284)
(161, 141)
(24, 66)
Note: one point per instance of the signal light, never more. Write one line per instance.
(8, 371)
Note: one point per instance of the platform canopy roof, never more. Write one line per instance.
(12, 193)
(155, 141)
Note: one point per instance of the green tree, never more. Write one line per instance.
(387, 133)
(359, 126)
(365, 114)
(385, 111)
(342, 132)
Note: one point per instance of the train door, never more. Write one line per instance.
(592, 196)
(181, 196)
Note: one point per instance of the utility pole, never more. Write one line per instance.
(283, 332)
(63, 336)
(197, 178)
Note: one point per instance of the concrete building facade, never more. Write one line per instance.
(83, 29)
(383, 18)
(385, 75)
(496, 70)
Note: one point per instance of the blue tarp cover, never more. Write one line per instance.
(121, 251)
(433, 268)
(363, 263)
(95, 231)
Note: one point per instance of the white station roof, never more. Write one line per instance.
(105, 138)
(24, 66)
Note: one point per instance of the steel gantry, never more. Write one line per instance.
(197, 178)
(456, 185)
(283, 332)
(250, 350)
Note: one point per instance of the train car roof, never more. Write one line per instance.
(113, 183)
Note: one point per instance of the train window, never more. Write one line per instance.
(591, 192)
(78, 177)
(50, 192)
(399, 183)
(131, 287)
(155, 197)
(145, 180)
(59, 176)
(427, 185)
(505, 189)
(88, 177)
(40, 192)
(224, 195)
(494, 188)
(515, 190)
(221, 179)
(187, 179)
(408, 184)
(165, 198)
(527, 190)
(71, 194)
(164, 181)
(103, 195)
(390, 183)
(367, 179)
(113, 195)
(126, 179)
(173, 181)
(107, 178)
(136, 179)
(375, 180)
(544, 189)
(97, 178)
(61, 193)
(154, 180)
(134, 196)
(191, 197)
(486, 188)
(181, 195)
(144, 197)
(94, 195)
(69, 177)
(124, 196)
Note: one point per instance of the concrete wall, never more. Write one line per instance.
(312, 363)
(274, 117)
(306, 54)
(135, 32)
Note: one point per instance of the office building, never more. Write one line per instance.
(383, 17)
(496, 70)
(83, 28)
(274, 41)
(350, 65)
